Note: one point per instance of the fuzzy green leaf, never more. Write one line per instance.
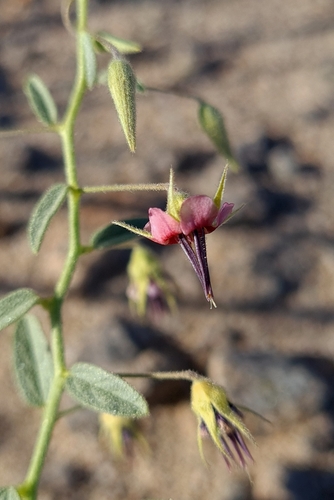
(32, 361)
(40, 100)
(212, 123)
(9, 493)
(89, 58)
(104, 392)
(112, 235)
(122, 45)
(43, 212)
(14, 305)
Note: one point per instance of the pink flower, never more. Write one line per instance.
(186, 221)
(196, 213)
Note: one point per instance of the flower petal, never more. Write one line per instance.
(223, 213)
(162, 226)
(197, 212)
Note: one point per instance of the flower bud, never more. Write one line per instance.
(149, 289)
(221, 420)
(120, 433)
(122, 86)
(213, 125)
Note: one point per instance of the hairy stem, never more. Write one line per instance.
(125, 187)
(4, 134)
(189, 375)
(28, 489)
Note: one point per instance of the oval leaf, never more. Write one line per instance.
(32, 361)
(122, 45)
(112, 235)
(43, 212)
(40, 100)
(89, 58)
(212, 123)
(9, 493)
(14, 305)
(104, 392)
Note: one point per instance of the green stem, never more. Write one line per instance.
(175, 93)
(5, 134)
(28, 489)
(64, 413)
(73, 201)
(125, 187)
(189, 375)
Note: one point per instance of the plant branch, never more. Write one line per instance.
(189, 375)
(175, 93)
(28, 489)
(5, 134)
(125, 187)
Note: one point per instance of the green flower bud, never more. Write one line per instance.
(221, 420)
(122, 86)
(119, 433)
(212, 123)
(150, 289)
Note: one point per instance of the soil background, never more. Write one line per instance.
(268, 66)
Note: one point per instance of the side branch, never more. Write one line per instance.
(189, 375)
(125, 187)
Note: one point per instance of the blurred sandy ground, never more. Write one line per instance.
(268, 66)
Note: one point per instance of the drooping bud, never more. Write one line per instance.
(150, 290)
(212, 123)
(221, 420)
(122, 86)
(120, 433)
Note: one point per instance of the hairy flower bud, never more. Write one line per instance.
(221, 420)
(122, 86)
(212, 123)
(119, 433)
(150, 290)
